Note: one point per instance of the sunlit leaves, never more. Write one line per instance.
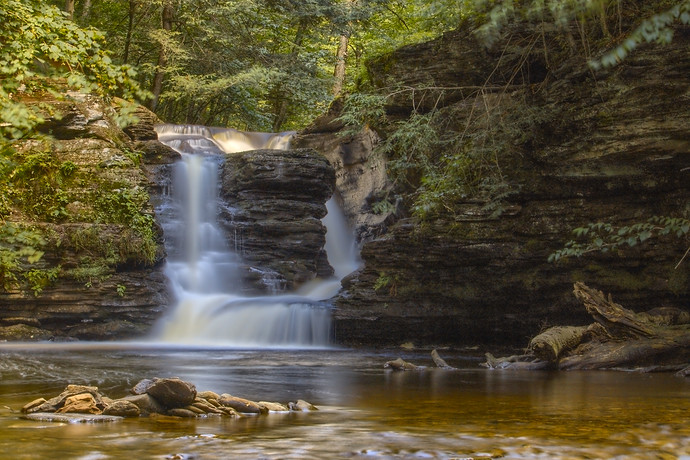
(45, 52)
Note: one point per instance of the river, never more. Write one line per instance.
(365, 410)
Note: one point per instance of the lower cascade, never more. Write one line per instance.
(204, 270)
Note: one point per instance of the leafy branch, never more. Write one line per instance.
(605, 237)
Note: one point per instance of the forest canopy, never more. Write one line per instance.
(266, 65)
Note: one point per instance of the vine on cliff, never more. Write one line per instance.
(606, 237)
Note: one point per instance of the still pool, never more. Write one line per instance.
(365, 410)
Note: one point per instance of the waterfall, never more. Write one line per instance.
(204, 270)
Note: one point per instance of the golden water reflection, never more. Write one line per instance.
(366, 411)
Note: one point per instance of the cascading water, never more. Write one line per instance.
(203, 270)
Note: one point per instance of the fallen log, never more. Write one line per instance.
(552, 343)
(658, 339)
(629, 353)
(619, 322)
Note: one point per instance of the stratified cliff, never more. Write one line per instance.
(82, 196)
(610, 146)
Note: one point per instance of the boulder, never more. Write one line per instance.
(147, 404)
(122, 408)
(172, 392)
(302, 406)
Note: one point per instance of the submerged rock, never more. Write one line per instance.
(72, 418)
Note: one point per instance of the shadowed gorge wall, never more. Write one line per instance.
(610, 146)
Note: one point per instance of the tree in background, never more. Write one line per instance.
(45, 52)
(255, 64)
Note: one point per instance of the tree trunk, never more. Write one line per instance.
(86, 11)
(130, 28)
(167, 16)
(281, 105)
(69, 8)
(341, 54)
(340, 64)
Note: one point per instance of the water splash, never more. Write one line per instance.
(204, 270)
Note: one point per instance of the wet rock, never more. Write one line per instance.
(122, 408)
(141, 387)
(147, 404)
(19, 332)
(180, 412)
(29, 407)
(83, 403)
(172, 392)
(81, 399)
(205, 406)
(273, 407)
(241, 405)
(208, 395)
(302, 406)
(76, 398)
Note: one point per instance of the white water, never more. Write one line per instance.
(204, 271)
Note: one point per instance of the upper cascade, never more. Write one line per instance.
(225, 140)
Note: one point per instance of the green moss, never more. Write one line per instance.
(679, 281)
(621, 279)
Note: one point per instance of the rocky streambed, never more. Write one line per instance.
(167, 397)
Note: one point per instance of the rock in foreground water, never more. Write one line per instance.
(152, 397)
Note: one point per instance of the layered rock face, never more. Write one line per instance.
(274, 202)
(360, 172)
(611, 147)
(102, 249)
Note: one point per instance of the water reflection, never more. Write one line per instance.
(366, 411)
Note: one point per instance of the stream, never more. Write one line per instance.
(365, 411)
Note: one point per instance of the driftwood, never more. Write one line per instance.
(516, 362)
(655, 341)
(401, 365)
(440, 362)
